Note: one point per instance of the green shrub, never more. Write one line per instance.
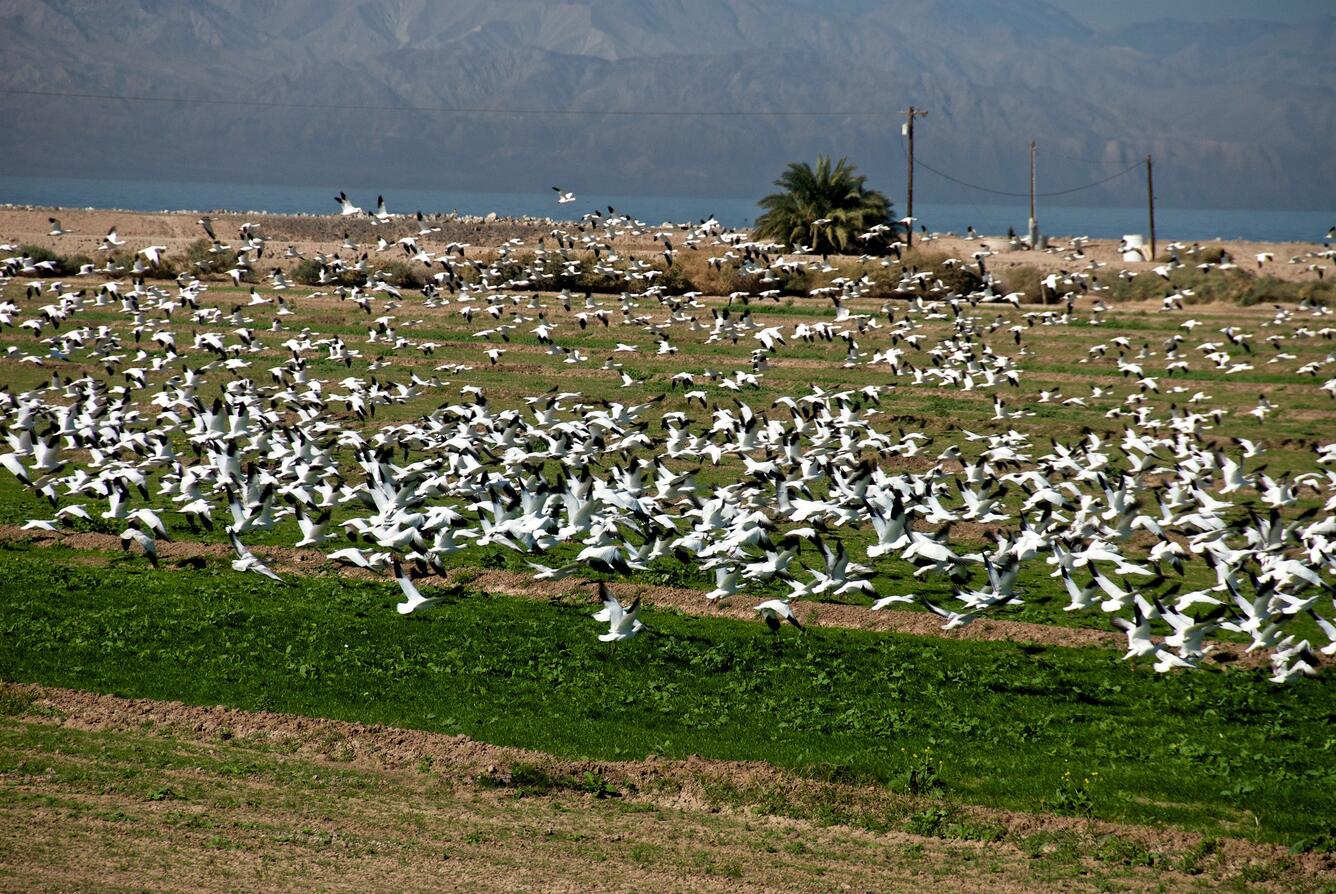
(674, 280)
(167, 269)
(41, 255)
(201, 260)
(960, 279)
(73, 263)
(64, 265)
(1206, 285)
(307, 272)
(1319, 843)
(1074, 796)
(729, 279)
(1271, 290)
(924, 775)
(15, 704)
(403, 275)
(1202, 254)
(1024, 279)
(927, 823)
(594, 784)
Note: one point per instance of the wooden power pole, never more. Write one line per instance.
(909, 203)
(1150, 199)
(1034, 224)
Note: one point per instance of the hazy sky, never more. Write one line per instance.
(1122, 12)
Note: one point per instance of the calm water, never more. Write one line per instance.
(159, 195)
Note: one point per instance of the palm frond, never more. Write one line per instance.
(817, 193)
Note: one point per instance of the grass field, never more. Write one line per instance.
(898, 735)
(214, 799)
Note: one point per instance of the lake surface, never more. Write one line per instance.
(166, 195)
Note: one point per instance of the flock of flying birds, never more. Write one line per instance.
(216, 412)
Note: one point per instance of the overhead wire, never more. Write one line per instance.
(1020, 195)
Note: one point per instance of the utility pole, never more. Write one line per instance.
(908, 131)
(1150, 198)
(1034, 224)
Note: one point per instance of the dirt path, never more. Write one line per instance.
(104, 793)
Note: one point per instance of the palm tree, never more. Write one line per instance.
(827, 208)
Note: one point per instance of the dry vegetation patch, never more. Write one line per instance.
(130, 794)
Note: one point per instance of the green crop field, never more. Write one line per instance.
(362, 413)
(1021, 727)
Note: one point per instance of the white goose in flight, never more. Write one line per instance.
(346, 207)
(622, 621)
(111, 240)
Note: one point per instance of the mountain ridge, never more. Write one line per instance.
(1237, 113)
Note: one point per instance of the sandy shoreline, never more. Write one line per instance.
(311, 233)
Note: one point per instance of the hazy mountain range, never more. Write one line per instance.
(1237, 113)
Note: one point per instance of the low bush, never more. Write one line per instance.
(63, 265)
(1024, 279)
(202, 260)
(730, 279)
(1197, 254)
(166, 268)
(888, 282)
(40, 255)
(307, 272)
(403, 275)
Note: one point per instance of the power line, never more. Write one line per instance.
(458, 110)
(1063, 192)
(1023, 195)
